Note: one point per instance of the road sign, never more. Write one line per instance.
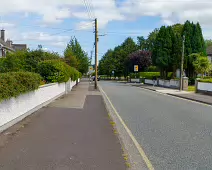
(90, 68)
(113, 72)
(135, 67)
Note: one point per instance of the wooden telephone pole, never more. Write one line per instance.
(182, 63)
(96, 53)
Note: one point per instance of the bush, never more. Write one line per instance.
(191, 81)
(149, 75)
(152, 69)
(57, 71)
(206, 80)
(170, 75)
(12, 84)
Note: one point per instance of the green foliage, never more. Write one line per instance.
(141, 42)
(25, 60)
(177, 28)
(149, 75)
(191, 81)
(202, 64)
(206, 80)
(57, 71)
(152, 69)
(194, 43)
(163, 51)
(76, 57)
(151, 40)
(117, 59)
(12, 84)
(208, 43)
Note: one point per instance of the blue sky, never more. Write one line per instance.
(52, 23)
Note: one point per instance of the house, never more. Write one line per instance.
(209, 53)
(8, 46)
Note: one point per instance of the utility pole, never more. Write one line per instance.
(96, 52)
(182, 62)
(91, 57)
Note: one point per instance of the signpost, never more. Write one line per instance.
(135, 68)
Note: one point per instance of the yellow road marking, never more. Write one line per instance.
(138, 146)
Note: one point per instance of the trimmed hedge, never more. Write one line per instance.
(57, 71)
(206, 80)
(149, 75)
(12, 84)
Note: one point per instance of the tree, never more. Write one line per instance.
(202, 64)
(150, 42)
(178, 29)
(140, 58)
(141, 42)
(163, 50)
(208, 43)
(74, 51)
(194, 43)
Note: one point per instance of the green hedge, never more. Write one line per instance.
(12, 84)
(149, 75)
(206, 80)
(57, 71)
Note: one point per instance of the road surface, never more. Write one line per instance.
(174, 133)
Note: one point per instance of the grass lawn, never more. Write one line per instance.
(191, 88)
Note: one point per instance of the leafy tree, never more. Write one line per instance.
(162, 51)
(208, 43)
(141, 42)
(74, 49)
(150, 42)
(178, 29)
(202, 64)
(140, 58)
(194, 43)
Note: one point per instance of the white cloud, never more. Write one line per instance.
(171, 11)
(56, 11)
(44, 37)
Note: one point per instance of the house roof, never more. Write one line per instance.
(209, 51)
(5, 45)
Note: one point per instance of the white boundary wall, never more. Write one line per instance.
(16, 109)
(147, 81)
(204, 86)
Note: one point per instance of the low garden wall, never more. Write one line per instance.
(164, 83)
(147, 81)
(204, 87)
(14, 109)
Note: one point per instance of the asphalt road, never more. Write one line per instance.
(174, 133)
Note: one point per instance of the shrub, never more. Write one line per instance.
(152, 69)
(191, 81)
(12, 84)
(149, 75)
(57, 71)
(170, 75)
(206, 80)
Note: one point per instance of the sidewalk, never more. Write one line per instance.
(72, 133)
(182, 94)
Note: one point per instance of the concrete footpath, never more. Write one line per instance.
(72, 133)
(202, 98)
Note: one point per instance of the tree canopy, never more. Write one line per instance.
(76, 57)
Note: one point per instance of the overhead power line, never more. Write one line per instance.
(57, 33)
(89, 11)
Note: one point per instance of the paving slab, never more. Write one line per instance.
(61, 137)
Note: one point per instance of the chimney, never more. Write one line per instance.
(3, 35)
(9, 42)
